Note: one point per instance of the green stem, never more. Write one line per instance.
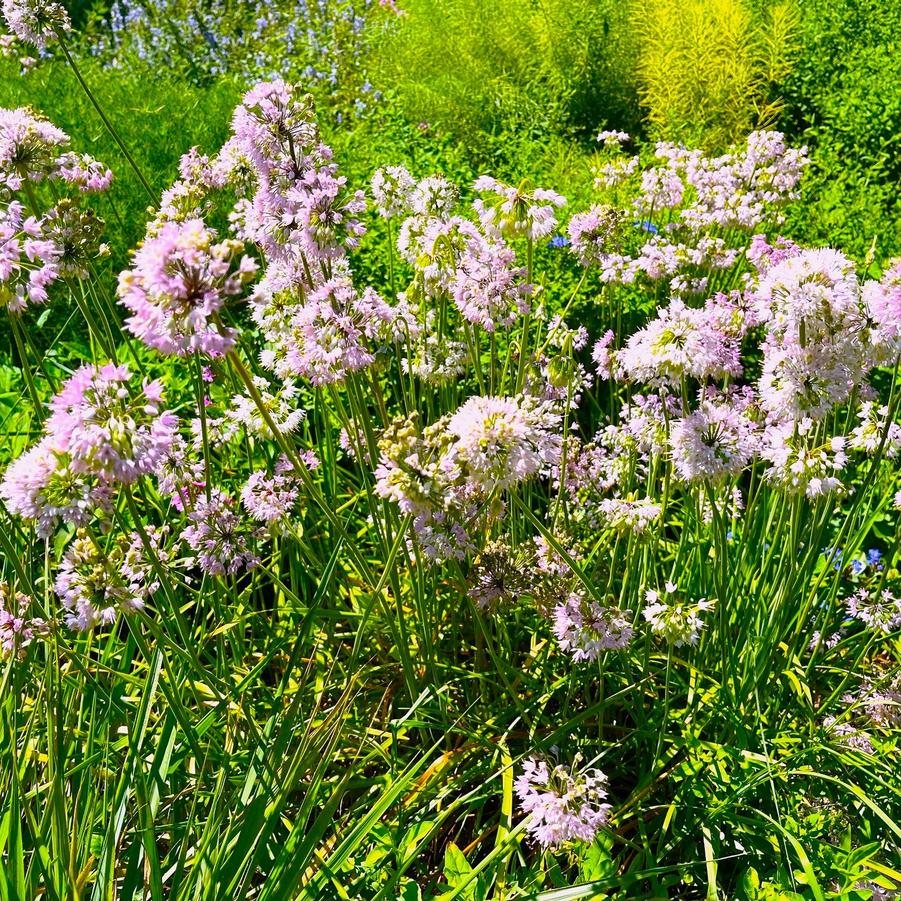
(109, 125)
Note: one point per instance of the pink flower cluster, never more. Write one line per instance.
(35, 21)
(33, 149)
(17, 626)
(585, 629)
(334, 331)
(179, 280)
(99, 434)
(28, 262)
(566, 804)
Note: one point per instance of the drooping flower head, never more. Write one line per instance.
(17, 626)
(499, 441)
(333, 332)
(715, 441)
(104, 431)
(99, 578)
(675, 620)
(35, 21)
(29, 261)
(489, 289)
(585, 629)
(179, 280)
(882, 301)
(42, 485)
(275, 126)
(220, 536)
(593, 235)
(392, 189)
(566, 803)
(879, 610)
(33, 149)
(29, 147)
(517, 212)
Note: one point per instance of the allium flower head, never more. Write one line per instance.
(605, 357)
(879, 610)
(333, 332)
(585, 629)
(275, 126)
(75, 236)
(29, 147)
(811, 297)
(875, 431)
(517, 212)
(681, 342)
(84, 172)
(593, 235)
(35, 21)
(43, 486)
(98, 578)
(629, 514)
(499, 576)
(271, 497)
(499, 441)
(392, 190)
(30, 261)
(613, 139)
(677, 621)
(715, 441)
(322, 215)
(489, 290)
(104, 431)
(219, 536)
(882, 301)
(566, 803)
(17, 627)
(437, 250)
(800, 467)
(179, 280)
(434, 197)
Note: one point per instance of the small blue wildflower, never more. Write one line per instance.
(833, 555)
(558, 241)
(857, 567)
(874, 557)
(647, 226)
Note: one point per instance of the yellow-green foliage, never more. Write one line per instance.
(485, 68)
(707, 68)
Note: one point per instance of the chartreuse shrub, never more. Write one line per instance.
(707, 70)
(564, 564)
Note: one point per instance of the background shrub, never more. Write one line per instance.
(707, 68)
(843, 98)
(529, 69)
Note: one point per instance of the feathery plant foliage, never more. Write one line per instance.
(707, 68)
(492, 72)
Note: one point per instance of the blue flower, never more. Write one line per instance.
(558, 241)
(857, 567)
(647, 226)
(874, 556)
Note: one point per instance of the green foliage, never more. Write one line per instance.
(844, 99)
(158, 117)
(330, 730)
(492, 72)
